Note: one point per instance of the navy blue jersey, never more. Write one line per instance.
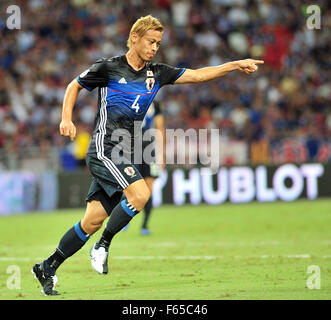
(124, 96)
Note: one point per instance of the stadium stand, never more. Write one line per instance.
(282, 113)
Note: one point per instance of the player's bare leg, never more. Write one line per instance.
(94, 217)
(137, 194)
(149, 182)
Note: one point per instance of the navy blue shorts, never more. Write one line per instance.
(109, 179)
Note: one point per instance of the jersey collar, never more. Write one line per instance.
(147, 65)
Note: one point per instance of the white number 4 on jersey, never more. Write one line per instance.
(135, 104)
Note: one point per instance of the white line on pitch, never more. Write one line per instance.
(210, 257)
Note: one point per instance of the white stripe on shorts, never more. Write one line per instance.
(99, 142)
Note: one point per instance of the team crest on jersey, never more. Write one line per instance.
(129, 171)
(150, 80)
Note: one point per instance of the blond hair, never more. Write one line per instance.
(142, 25)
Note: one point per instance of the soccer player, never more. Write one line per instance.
(127, 85)
(150, 168)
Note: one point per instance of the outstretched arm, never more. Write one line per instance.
(210, 73)
(67, 128)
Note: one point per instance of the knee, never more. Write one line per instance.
(140, 199)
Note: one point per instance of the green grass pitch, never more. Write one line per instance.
(232, 251)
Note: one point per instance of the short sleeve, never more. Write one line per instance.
(95, 76)
(168, 74)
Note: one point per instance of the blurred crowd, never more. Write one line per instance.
(286, 103)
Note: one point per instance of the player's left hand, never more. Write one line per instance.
(249, 65)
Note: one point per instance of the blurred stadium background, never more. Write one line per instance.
(279, 115)
(275, 124)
